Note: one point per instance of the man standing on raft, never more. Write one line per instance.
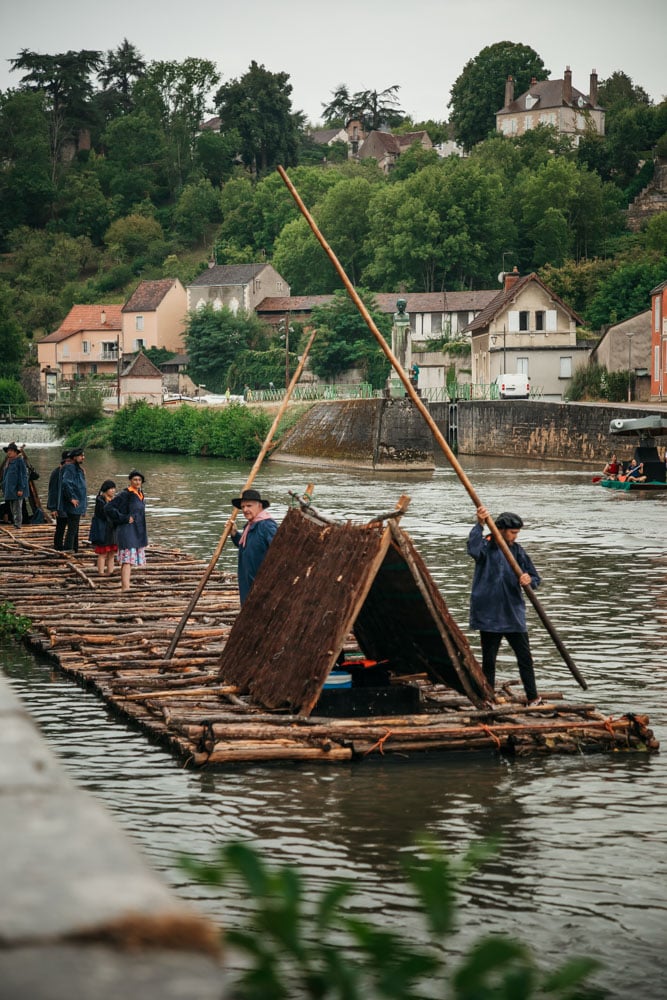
(497, 606)
(253, 542)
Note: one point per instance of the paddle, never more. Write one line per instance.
(597, 479)
(435, 430)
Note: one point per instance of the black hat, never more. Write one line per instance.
(250, 495)
(64, 455)
(135, 472)
(75, 452)
(12, 446)
(509, 520)
(107, 485)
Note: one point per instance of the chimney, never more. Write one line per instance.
(511, 278)
(509, 91)
(103, 317)
(567, 86)
(533, 81)
(593, 89)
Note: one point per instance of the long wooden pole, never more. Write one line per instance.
(229, 526)
(449, 454)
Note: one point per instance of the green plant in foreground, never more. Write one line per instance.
(296, 945)
(12, 623)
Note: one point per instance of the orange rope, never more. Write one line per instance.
(490, 732)
(380, 743)
(609, 727)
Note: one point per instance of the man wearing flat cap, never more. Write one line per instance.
(15, 482)
(497, 605)
(253, 542)
(73, 498)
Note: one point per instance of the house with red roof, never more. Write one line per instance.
(387, 148)
(155, 316)
(85, 343)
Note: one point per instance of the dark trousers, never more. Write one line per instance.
(59, 535)
(72, 533)
(521, 647)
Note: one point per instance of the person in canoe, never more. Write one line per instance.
(612, 468)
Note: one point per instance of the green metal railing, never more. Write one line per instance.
(21, 413)
(309, 393)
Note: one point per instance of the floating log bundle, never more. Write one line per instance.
(116, 644)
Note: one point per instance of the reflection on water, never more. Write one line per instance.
(583, 867)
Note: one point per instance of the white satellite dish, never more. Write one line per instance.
(501, 277)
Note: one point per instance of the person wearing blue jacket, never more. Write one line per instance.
(15, 482)
(253, 542)
(497, 605)
(73, 498)
(127, 511)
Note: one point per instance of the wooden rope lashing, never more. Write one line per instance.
(380, 744)
(490, 732)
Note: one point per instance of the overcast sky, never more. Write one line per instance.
(422, 45)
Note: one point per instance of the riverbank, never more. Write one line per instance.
(82, 915)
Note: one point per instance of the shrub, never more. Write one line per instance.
(12, 391)
(83, 409)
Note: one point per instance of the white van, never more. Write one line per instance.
(512, 386)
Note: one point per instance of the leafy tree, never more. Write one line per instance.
(413, 159)
(128, 237)
(178, 92)
(12, 343)
(11, 391)
(26, 184)
(478, 93)
(625, 292)
(298, 256)
(656, 234)
(65, 79)
(343, 216)
(275, 205)
(122, 68)
(618, 91)
(197, 207)
(344, 341)
(215, 154)
(373, 107)
(240, 216)
(577, 282)
(213, 340)
(136, 159)
(258, 106)
(81, 206)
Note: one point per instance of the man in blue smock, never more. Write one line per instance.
(497, 606)
(15, 482)
(253, 542)
(73, 498)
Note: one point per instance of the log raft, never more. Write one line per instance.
(116, 645)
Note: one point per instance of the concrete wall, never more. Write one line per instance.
(383, 434)
(572, 432)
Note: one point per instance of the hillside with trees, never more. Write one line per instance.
(112, 171)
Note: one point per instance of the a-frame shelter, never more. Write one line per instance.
(319, 582)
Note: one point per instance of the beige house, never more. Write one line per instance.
(155, 316)
(85, 343)
(235, 286)
(527, 329)
(552, 102)
(626, 346)
(140, 380)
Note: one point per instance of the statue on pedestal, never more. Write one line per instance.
(400, 335)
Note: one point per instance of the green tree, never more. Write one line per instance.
(478, 93)
(129, 237)
(373, 107)
(178, 93)
(618, 91)
(240, 216)
(13, 343)
(135, 166)
(81, 206)
(65, 80)
(216, 154)
(122, 67)
(213, 340)
(655, 235)
(197, 207)
(298, 256)
(258, 106)
(26, 183)
(625, 292)
(344, 341)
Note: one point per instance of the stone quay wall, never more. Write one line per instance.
(572, 432)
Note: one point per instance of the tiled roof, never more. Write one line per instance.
(548, 94)
(142, 367)
(84, 319)
(505, 296)
(417, 302)
(228, 274)
(148, 295)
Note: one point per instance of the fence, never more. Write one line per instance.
(311, 393)
(21, 413)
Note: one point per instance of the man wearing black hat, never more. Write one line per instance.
(15, 482)
(53, 501)
(497, 606)
(253, 542)
(73, 498)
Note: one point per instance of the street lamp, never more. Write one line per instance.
(284, 325)
(630, 334)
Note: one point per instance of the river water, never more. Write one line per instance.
(583, 864)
